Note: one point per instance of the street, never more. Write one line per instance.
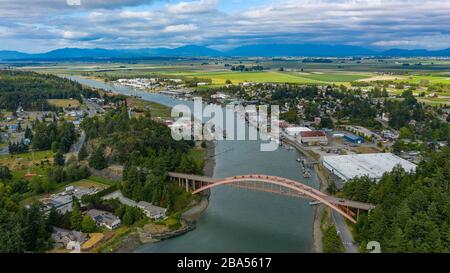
(344, 232)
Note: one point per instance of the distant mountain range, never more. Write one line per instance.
(263, 50)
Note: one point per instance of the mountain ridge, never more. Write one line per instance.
(261, 50)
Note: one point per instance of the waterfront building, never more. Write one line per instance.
(372, 165)
(153, 212)
(313, 138)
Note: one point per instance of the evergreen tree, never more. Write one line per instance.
(88, 225)
(97, 159)
(59, 159)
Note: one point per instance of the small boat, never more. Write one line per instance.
(314, 203)
(299, 160)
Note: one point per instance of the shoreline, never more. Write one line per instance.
(316, 245)
(188, 219)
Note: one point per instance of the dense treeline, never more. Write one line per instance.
(146, 149)
(401, 113)
(31, 90)
(55, 135)
(413, 209)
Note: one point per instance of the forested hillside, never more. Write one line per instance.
(413, 210)
(147, 150)
(31, 90)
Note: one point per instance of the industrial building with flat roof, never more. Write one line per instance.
(313, 138)
(295, 131)
(372, 165)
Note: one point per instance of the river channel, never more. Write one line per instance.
(240, 220)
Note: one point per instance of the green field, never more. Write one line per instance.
(220, 78)
(432, 79)
(26, 160)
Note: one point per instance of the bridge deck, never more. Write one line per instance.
(204, 179)
(333, 200)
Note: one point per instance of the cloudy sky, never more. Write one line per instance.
(41, 25)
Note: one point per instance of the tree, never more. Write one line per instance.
(97, 159)
(76, 216)
(59, 159)
(83, 154)
(5, 173)
(326, 122)
(28, 133)
(331, 241)
(88, 225)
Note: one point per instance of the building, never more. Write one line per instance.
(152, 211)
(372, 165)
(62, 237)
(104, 218)
(313, 138)
(354, 139)
(295, 131)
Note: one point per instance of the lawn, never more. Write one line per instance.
(156, 109)
(26, 160)
(64, 103)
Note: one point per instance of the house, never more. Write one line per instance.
(313, 138)
(152, 211)
(104, 218)
(62, 237)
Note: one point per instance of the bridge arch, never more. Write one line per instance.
(303, 190)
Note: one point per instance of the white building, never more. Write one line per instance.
(153, 212)
(372, 165)
(295, 131)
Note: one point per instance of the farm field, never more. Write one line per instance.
(220, 78)
(432, 79)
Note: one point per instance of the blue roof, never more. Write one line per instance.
(353, 137)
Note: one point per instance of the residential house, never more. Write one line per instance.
(153, 212)
(104, 218)
(62, 237)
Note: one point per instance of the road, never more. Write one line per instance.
(344, 232)
(93, 108)
(76, 147)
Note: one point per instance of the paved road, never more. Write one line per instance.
(344, 233)
(93, 108)
(118, 195)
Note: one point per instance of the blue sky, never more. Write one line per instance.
(42, 25)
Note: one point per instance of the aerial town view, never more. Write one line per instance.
(213, 126)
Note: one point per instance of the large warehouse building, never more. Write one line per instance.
(372, 165)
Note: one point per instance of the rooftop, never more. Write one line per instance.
(371, 165)
(312, 134)
(153, 210)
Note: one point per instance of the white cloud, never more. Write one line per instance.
(180, 28)
(200, 6)
(382, 23)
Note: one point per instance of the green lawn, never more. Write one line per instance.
(26, 160)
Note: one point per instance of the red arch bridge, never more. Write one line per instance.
(273, 184)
